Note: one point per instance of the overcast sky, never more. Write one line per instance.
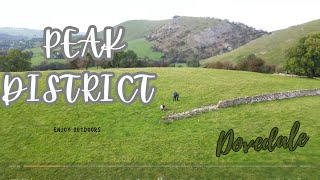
(267, 15)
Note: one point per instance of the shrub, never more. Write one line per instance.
(193, 63)
(280, 69)
(269, 68)
(220, 65)
(251, 63)
(51, 66)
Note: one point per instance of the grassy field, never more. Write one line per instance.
(135, 143)
(38, 57)
(271, 47)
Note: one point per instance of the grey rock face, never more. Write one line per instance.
(201, 37)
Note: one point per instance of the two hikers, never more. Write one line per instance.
(175, 98)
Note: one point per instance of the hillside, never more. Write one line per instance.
(19, 38)
(21, 33)
(133, 137)
(137, 29)
(7, 37)
(185, 38)
(271, 47)
(134, 35)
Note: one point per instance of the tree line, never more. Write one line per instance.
(249, 63)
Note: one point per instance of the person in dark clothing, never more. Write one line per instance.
(175, 96)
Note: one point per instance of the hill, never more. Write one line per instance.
(180, 38)
(271, 47)
(21, 33)
(134, 143)
(19, 38)
(7, 37)
(184, 38)
(136, 30)
(143, 49)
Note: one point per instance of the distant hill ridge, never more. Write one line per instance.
(21, 33)
(210, 39)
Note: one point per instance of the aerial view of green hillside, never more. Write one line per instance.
(138, 137)
(145, 90)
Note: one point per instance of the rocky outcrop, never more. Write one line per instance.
(191, 37)
(244, 100)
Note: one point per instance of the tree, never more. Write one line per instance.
(304, 57)
(106, 64)
(16, 60)
(89, 61)
(132, 58)
(117, 57)
(4, 66)
(125, 59)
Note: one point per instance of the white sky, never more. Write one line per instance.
(267, 15)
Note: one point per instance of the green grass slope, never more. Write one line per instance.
(143, 49)
(135, 32)
(37, 57)
(137, 29)
(132, 135)
(270, 47)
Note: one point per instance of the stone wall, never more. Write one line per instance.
(244, 100)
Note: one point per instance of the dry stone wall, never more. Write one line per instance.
(244, 100)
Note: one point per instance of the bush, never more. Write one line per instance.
(106, 64)
(269, 68)
(51, 66)
(280, 69)
(251, 63)
(220, 65)
(214, 65)
(193, 63)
